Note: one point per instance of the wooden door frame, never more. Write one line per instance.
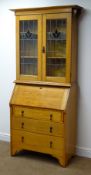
(18, 75)
(68, 17)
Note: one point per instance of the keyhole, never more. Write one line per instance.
(51, 116)
(22, 125)
(22, 113)
(51, 129)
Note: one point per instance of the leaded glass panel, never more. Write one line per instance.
(56, 47)
(28, 47)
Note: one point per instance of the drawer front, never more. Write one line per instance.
(36, 126)
(34, 113)
(38, 142)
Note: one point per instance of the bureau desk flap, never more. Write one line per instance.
(43, 97)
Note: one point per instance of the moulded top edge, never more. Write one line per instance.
(46, 8)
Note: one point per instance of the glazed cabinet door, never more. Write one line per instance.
(28, 47)
(56, 47)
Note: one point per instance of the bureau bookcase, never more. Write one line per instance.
(43, 106)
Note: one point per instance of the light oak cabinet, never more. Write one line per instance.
(43, 103)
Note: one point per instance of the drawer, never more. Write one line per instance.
(36, 126)
(38, 142)
(39, 114)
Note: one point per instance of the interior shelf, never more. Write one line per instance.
(62, 57)
(34, 57)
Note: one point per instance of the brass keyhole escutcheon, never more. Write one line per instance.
(51, 116)
(22, 125)
(22, 113)
(51, 129)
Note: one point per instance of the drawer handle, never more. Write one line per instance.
(43, 49)
(51, 129)
(51, 144)
(22, 139)
(22, 125)
(51, 116)
(22, 113)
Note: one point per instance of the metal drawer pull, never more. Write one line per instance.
(43, 49)
(22, 113)
(51, 129)
(51, 116)
(22, 125)
(51, 144)
(22, 139)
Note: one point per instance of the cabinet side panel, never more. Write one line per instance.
(71, 122)
(12, 148)
(74, 48)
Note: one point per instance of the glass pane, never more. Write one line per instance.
(28, 47)
(56, 48)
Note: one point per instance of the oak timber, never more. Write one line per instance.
(43, 109)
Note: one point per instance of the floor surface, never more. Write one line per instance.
(31, 163)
